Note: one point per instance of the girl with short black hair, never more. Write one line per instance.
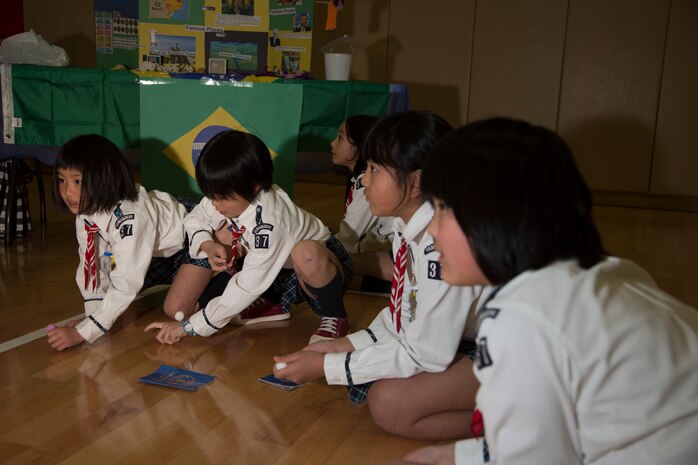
(129, 239)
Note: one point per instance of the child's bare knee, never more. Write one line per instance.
(306, 257)
(384, 407)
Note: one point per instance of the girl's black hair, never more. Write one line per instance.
(517, 194)
(106, 177)
(357, 128)
(234, 163)
(403, 140)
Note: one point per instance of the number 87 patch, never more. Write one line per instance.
(261, 241)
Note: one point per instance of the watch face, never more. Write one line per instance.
(188, 328)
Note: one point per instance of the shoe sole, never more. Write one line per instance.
(267, 325)
(316, 338)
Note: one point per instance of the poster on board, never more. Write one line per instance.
(205, 36)
(116, 33)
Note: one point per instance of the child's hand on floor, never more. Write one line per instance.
(301, 367)
(64, 337)
(170, 332)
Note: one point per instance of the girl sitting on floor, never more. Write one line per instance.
(582, 359)
(406, 362)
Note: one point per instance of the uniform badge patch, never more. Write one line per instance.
(434, 269)
(123, 218)
(126, 230)
(482, 356)
(261, 241)
(262, 227)
(120, 217)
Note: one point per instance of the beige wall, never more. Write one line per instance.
(675, 156)
(66, 23)
(610, 88)
(616, 78)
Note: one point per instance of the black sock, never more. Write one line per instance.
(214, 288)
(330, 297)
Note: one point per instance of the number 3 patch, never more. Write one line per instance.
(434, 270)
(261, 241)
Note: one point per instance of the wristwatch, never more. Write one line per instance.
(188, 328)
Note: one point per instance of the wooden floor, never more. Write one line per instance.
(85, 405)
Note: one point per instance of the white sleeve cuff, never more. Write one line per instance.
(89, 330)
(199, 238)
(335, 370)
(198, 321)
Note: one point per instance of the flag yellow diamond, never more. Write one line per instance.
(184, 151)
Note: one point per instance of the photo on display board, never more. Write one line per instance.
(244, 52)
(290, 63)
(302, 21)
(169, 9)
(238, 7)
(177, 53)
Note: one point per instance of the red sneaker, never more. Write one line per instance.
(331, 328)
(260, 311)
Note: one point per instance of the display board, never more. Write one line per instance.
(206, 36)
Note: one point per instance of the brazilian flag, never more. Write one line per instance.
(178, 117)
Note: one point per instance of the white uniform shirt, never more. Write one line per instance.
(361, 230)
(433, 323)
(273, 225)
(590, 366)
(131, 234)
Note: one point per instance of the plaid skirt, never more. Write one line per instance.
(359, 392)
(162, 270)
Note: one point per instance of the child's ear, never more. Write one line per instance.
(415, 181)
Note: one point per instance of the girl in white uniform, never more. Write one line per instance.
(366, 236)
(409, 349)
(128, 239)
(357, 231)
(287, 249)
(582, 359)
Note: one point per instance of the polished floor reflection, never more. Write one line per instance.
(86, 406)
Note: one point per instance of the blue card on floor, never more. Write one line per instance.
(177, 378)
(280, 383)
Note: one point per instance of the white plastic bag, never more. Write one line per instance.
(31, 48)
